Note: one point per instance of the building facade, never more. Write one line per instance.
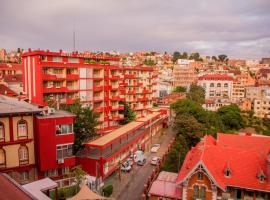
(17, 150)
(216, 86)
(102, 156)
(97, 81)
(54, 141)
(184, 73)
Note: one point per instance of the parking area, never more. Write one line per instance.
(125, 184)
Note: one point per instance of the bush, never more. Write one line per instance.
(64, 193)
(108, 190)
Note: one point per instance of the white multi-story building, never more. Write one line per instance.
(216, 86)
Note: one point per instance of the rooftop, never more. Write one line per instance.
(9, 105)
(245, 154)
(56, 114)
(10, 189)
(216, 77)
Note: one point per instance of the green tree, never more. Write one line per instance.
(214, 58)
(78, 173)
(185, 55)
(129, 114)
(231, 117)
(176, 56)
(189, 127)
(85, 124)
(176, 156)
(179, 89)
(149, 62)
(195, 56)
(196, 93)
(222, 57)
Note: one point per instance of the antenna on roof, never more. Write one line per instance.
(74, 37)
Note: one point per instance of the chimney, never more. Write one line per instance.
(29, 49)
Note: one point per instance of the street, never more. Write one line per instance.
(131, 185)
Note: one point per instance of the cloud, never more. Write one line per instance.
(237, 28)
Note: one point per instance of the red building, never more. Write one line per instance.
(229, 167)
(54, 138)
(98, 81)
(102, 156)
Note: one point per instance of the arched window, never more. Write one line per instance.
(22, 129)
(2, 158)
(219, 85)
(2, 132)
(202, 192)
(225, 84)
(23, 155)
(195, 192)
(212, 85)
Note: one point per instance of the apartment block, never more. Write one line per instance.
(97, 81)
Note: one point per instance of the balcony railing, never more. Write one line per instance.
(49, 77)
(72, 76)
(54, 89)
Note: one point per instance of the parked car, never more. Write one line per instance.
(129, 161)
(126, 167)
(133, 157)
(155, 160)
(155, 148)
(141, 162)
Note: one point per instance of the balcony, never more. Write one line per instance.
(115, 77)
(121, 88)
(97, 76)
(54, 89)
(122, 97)
(72, 76)
(114, 98)
(98, 87)
(115, 87)
(49, 77)
(143, 99)
(131, 92)
(130, 75)
(98, 99)
(99, 109)
(72, 89)
(118, 117)
(146, 91)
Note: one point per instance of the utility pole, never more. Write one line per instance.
(74, 37)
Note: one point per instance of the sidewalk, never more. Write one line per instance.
(131, 184)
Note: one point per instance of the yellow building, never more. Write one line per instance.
(17, 155)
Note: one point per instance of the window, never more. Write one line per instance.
(57, 59)
(202, 192)
(65, 170)
(2, 132)
(212, 85)
(225, 84)
(195, 191)
(227, 172)
(219, 85)
(51, 173)
(22, 129)
(73, 60)
(2, 158)
(23, 155)
(200, 176)
(24, 176)
(64, 151)
(64, 129)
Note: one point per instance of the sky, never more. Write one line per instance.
(237, 28)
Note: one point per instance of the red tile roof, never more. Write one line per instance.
(4, 90)
(216, 77)
(9, 189)
(246, 155)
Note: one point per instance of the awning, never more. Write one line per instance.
(86, 194)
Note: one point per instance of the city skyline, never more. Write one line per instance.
(209, 27)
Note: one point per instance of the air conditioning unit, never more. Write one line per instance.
(51, 111)
(60, 161)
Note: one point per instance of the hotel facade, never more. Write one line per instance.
(98, 81)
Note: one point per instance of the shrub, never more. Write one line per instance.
(108, 190)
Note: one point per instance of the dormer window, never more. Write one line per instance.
(227, 172)
(261, 176)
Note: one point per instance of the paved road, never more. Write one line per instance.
(134, 183)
